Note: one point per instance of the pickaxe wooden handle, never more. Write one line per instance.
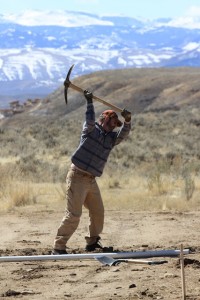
(67, 84)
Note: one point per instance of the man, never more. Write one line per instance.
(88, 161)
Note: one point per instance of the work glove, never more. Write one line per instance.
(88, 96)
(126, 115)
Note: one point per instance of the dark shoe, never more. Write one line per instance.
(58, 252)
(96, 245)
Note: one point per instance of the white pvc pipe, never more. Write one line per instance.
(137, 254)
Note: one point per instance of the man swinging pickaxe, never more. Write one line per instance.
(97, 140)
(67, 84)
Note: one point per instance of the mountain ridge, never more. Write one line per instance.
(139, 90)
(35, 59)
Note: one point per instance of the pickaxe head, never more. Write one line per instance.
(67, 83)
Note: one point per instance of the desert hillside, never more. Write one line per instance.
(165, 104)
(161, 152)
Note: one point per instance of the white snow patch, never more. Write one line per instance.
(185, 22)
(138, 62)
(121, 61)
(141, 59)
(51, 38)
(155, 58)
(191, 46)
(58, 18)
(159, 57)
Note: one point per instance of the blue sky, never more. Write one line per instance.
(134, 8)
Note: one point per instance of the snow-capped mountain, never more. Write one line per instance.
(37, 48)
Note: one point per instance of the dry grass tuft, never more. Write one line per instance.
(135, 192)
(16, 191)
(120, 191)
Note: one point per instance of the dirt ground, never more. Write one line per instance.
(31, 230)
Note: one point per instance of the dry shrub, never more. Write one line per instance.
(132, 191)
(151, 188)
(14, 190)
(20, 194)
(167, 176)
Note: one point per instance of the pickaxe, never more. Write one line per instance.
(67, 84)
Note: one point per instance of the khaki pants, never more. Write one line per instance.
(82, 189)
